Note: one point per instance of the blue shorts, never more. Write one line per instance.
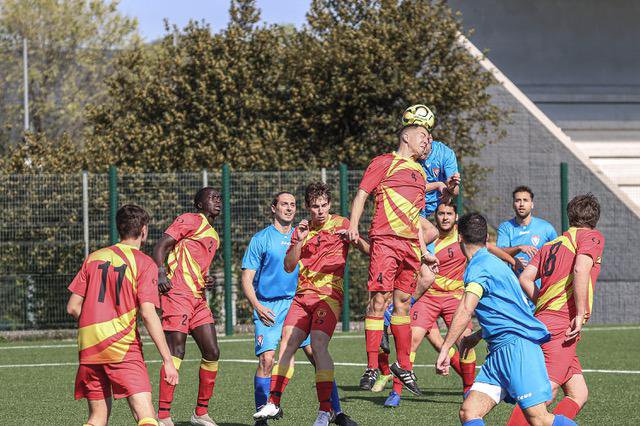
(267, 338)
(515, 372)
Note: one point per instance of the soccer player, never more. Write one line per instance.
(114, 285)
(514, 369)
(190, 244)
(320, 248)
(397, 248)
(568, 268)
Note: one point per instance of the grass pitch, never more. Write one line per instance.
(37, 385)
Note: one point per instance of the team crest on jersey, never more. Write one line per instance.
(535, 240)
(436, 170)
(259, 339)
(321, 313)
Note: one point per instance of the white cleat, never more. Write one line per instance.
(165, 422)
(323, 418)
(204, 420)
(268, 411)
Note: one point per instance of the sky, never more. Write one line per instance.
(151, 13)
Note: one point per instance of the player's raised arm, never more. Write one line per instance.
(293, 254)
(160, 251)
(357, 207)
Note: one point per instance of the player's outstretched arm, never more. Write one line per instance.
(164, 245)
(527, 282)
(154, 328)
(501, 254)
(581, 273)
(461, 318)
(357, 207)
(74, 306)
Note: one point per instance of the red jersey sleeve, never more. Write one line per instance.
(79, 283)
(591, 243)
(183, 227)
(148, 285)
(374, 174)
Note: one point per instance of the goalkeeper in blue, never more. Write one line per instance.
(514, 370)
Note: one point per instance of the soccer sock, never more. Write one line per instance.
(383, 362)
(208, 373)
(373, 329)
(455, 361)
(401, 330)
(335, 399)
(568, 408)
(560, 420)
(468, 365)
(261, 386)
(279, 379)
(147, 421)
(324, 387)
(166, 391)
(517, 418)
(474, 422)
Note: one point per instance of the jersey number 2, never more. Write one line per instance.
(103, 284)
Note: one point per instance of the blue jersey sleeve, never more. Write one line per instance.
(449, 163)
(477, 275)
(503, 235)
(431, 247)
(253, 255)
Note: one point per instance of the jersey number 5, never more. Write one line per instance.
(105, 275)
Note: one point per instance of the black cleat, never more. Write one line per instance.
(407, 377)
(343, 420)
(368, 379)
(384, 343)
(261, 423)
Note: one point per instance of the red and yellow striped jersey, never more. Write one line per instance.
(322, 260)
(449, 279)
(113, 281)
(189, 261)
(555, 261)
(399, 185)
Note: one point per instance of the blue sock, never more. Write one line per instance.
(474, 422)
(261, 386)
(335, 399)
(559, 420)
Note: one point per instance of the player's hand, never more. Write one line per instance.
(430, 261)
(519, 265)
(353, 233)
(164, 285)
(467, 343)
(528, 250)
(443, 362)
(574, 328)
(302, 230)
(266, 315)
(170, 373)
(440, 186)
(453, 181)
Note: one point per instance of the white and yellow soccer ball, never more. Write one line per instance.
(419, 115)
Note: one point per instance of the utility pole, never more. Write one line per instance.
(25, 64)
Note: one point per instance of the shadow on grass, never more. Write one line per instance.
(379, 400)
(428, 392)
(219, 424)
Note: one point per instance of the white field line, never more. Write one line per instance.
(254, 361)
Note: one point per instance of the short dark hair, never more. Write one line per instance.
(316, 190)
(199, 197)
(522, 188)
(473, 228)
(276, 197)
(584, 211)
(451, 204)
(130, 219)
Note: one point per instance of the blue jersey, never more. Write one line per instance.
(537, 233)
(503, 311)
(265, 255)
(439, 167)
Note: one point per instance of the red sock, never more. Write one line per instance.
(397, 386)
(383, 362)
(166, 392)
(568, 408)
(208, 373)
(402, 337)
(468, 365)
(279, 380)
(455, 361)
(517, 418)
(373, 329)
(324, 387)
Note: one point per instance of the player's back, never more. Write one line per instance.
(449, 279)
(555, 262)
(113, 281)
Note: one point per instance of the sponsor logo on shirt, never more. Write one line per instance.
(524, 232)
(525, 396)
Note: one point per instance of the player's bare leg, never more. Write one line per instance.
(142, 409)
(99, 411)
(207, 341)
(576, 394)
(538, 415)
(476, 406)
(176, 341)
(374, 329)
(402, 369)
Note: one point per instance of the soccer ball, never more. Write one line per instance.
(419, 115)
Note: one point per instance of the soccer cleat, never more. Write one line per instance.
(381, 383)
(203, 420)
(165, 422)
(322, 419)
(261, 423)
(407, 378)
(384, 343)
(343, 420)
(368, 378)
(268, 411)
(393, 400)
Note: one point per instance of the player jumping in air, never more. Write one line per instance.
(320, 249)
(114, 285)
(514, 369)
(190, 243)
(568, 268)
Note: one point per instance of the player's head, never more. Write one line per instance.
(584, 211)
(418, 141)
(317, 197)
(472, 228)
(208, 201)
(446, 216)
(132, 222)
(522, 201)
(283, 207)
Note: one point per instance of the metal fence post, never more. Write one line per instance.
(226, 245)
(205, 178)
(564, 194)
(85, 211)
(113, 204)
(460, 197)
(344, 211)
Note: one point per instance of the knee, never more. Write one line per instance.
(177, 350)
(211, 353)
(377, 304)
(468, 413)
(265, 363)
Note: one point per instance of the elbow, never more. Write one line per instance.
(288, 268)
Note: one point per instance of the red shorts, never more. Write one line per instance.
(560, 357)
(308, 312)
(183, 312)
(96, 381)
(394, 264)
(429, 307)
